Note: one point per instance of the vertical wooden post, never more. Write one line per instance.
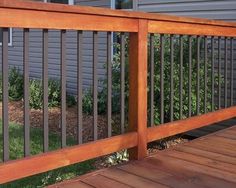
(138, 89)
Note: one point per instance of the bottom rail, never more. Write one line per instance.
(181, 126)
(28, 166)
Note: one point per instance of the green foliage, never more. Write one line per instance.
(16, 82)
(54, 94)
(16, 88)
(102, 104)
(36, 94)
(87, 102)
(102, 94)
(176, 79)
(15, 85)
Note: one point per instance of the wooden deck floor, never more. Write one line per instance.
(208, 161)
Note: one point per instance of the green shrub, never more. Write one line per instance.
(16, 82)
(15, 85)
(54, 94)
(102, 95)
(87, 102)
(36, 94)
(16, 89)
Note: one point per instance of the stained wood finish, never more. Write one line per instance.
(15, 13)
(18, 14)
(20, 18)
(22, 4)
(181, 126)
(12, 170)
(189, 29)
(138, 89)
(183, 166)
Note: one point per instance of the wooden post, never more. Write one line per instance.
(138, 89)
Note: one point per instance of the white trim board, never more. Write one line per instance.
(10, 42)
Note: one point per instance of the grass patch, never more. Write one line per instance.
(16, 134)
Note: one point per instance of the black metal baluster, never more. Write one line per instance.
(109, 85)
(212, 74)
(190, 78)
(5, 94)
(171, 77)
(205, 74)
(219, 73)
(162, 76)
(181, 78)
(45, 90)
(26, 94)
(63, 88)
(151, 79)
(225, 73)
(198, 76)
(79, 87)
(122, 83)
(232, 72)
(95, 84)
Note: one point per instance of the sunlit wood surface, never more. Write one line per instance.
(208, 161)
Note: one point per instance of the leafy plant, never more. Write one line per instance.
(118, 157)
(16, 90)
(87, 102)
(54, 94)
(16, 82)
(102, 95)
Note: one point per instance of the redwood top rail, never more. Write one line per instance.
(18, 14)
(24, 4)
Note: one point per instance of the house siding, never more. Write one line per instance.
(224, 10)
(211, 9)
(35, 52)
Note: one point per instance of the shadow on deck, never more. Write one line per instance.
(209, 161)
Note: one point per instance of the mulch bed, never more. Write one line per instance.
(36, 120)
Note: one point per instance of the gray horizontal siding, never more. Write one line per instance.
(35, 54)
(94, 3)
(211, 9)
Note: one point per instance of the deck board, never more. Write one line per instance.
(203, 131)
(209, 161)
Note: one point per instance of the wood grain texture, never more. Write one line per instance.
(15, 13)
(181, 126)
(138, 89)
(21, 4)
(180, 167)
(98, 181)
(166, 27)
(20, 18)
(12, 170)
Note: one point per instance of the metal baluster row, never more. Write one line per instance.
(204, 55)
(63, 73)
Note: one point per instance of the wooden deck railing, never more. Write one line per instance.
(139, 26)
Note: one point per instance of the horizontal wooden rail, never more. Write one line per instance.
(32, 15)
(13, 170)
(181, 126)
(22, 4)
(15, 13)
(22, 18)
(167, 27)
